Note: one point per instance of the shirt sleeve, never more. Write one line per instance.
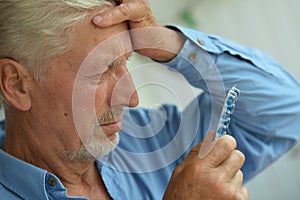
(266, 119)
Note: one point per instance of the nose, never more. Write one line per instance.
(124, 92)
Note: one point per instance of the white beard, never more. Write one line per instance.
(94, 148)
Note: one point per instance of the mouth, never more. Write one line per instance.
(111, 122)
(111, 129)
(111, 125)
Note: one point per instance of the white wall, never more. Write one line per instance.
(270, 25)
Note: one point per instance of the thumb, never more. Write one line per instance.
(204, 147)
(208, 144)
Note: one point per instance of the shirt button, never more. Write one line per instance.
(194, 57)
(200, 42)
(52, 181)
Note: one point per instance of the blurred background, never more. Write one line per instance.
(270, 25)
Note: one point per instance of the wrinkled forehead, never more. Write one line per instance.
(112, 49)
(100, 45)
(94, 47)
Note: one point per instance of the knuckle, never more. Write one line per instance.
(227, 144)
(218, 184)
(195, 168)
(124, 9)
(237, 197)
(239, 194)
(243, 194)
(239, 156)
(218, 189)
(240, 174)
(230, 139)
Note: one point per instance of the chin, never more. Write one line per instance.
(95, 148)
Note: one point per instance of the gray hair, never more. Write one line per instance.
(34, 31)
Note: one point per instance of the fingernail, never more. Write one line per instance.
(97, 20)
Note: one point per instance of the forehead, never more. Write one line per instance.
(99, 45)
(87, 36)
(106, 44)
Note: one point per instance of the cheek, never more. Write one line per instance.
(60, 99)
(101, 97)
(56, 96)
(88, 99)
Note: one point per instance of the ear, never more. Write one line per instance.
(14, 83)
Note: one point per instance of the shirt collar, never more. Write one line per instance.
(29, 181)
(2, 133)
(22, 178)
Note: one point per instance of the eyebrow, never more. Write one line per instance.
(115, 63)
(120, 60)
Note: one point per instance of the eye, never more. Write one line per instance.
(109, 72)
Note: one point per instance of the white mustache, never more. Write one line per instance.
(114, 114)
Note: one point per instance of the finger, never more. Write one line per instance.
(116, 15)
(233, 163)
(194, 152)
(243, 194)
(191, 157)
(238, 178)
(221, 151)
(126, 11)
(208, 143)
(236, 187)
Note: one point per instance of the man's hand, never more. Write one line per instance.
(136, 12)
(149, 38)
(217, 176)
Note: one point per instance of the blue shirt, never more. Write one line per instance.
(153, 142)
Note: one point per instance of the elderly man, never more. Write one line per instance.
(64, 87)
